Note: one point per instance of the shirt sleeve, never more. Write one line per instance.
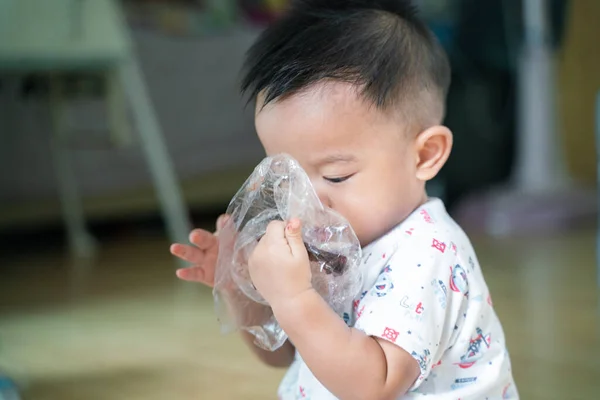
(415, 301)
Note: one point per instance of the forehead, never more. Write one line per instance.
(327, 118)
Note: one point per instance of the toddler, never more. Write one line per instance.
(354, 90)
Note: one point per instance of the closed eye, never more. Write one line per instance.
(338, 180)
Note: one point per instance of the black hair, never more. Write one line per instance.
(379, 45)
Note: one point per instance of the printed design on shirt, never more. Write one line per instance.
(356, 302)
(383, 285)
(416, 312)
(390, 334)
(458, 280)
(302, 392)
(360, 312)
(404, 302)
(507, 393)
(462, 382)
(489, 300)
(422, 359)
(472, 263)
(419, 308)
(478, 298)
(441, 246)
(440, 291)
(453, 248)
(346, 318)
(426, 217)
(409, 231)
(477, 347)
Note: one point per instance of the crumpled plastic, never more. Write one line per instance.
(279, 189)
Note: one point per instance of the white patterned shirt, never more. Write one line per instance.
(424, 291)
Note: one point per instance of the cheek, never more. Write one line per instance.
(357, 208)
(342, 200)
(373, 207)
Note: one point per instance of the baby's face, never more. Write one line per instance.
(359, 159)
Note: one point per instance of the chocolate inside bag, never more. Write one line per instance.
(279, 189)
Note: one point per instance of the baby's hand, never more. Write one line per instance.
(279, 266)
(203, 254)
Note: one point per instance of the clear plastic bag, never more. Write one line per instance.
(279, 189)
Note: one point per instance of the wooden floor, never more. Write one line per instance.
(123, 328)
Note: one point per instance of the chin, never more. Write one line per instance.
(364, 242)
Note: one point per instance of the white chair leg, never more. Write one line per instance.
(155, 150)
(118, 118)
(81, 243)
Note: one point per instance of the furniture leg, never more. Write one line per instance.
(154, 147)
(81, 243)
(119, 124)
(598, 185)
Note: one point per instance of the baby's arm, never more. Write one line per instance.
(251, 314)
(346, 361)
(280, 358)
(403, 324)
(202, 254)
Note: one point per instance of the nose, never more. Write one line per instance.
(325, 201)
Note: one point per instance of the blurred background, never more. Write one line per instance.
(121, 128)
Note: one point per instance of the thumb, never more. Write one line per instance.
(293, 234)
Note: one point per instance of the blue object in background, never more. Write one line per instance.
(8, 389)
(444, 31)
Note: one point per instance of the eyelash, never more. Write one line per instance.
(338, 180)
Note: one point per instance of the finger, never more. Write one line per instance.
(202, 239)
(193, 274)
(293, 234)
(275, 230)
(222, 220)
(187, 253)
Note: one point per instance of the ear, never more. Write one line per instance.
(433, 147)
